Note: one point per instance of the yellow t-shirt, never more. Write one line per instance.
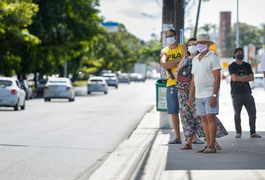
(173, 54)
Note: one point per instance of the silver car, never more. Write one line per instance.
(258, 80)
(111, 79)
(11, 93)
(97, 84)
(59, 88)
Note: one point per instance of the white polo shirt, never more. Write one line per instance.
(203, 74)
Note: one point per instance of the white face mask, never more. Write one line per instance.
(192, 49)
(171, 40)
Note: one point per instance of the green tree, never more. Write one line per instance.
(247, 34)
(15, 17)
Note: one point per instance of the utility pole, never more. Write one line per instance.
(179, 18)
(197, 19)
(237, 29)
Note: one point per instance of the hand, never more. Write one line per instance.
(190, 102)
(213, 102)
(176, 74)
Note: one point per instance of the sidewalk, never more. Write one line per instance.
(146, 155)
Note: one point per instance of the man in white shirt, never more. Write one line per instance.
(205, 85)
(262, 68)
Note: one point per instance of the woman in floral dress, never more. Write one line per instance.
(191, 123)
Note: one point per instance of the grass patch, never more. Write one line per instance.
(80, 83)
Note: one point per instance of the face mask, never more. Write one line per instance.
(202, 47)
(171, 40)
(240, 57)
(192, 49)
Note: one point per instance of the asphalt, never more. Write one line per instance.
(146, 154)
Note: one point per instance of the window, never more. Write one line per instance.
(5, 83)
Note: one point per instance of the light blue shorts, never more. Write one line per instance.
(203, 107)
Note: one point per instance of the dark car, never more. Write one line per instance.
(124, 78)
(40, 87)
(28, 90)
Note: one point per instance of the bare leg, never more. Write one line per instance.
(206, 129)
(212, 128)
(175, 122)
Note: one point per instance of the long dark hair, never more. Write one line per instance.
(191, 39)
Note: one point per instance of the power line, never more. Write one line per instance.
(158, 4)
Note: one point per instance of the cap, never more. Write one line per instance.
(236, 50)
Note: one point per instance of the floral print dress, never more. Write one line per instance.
(191, 123)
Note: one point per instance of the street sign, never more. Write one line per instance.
(112, 27)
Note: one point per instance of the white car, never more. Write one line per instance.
(59, 88)
(11, 93)
(97, 84)
(111, 79)
(258, 80)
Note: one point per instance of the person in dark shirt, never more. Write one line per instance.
(241, 74)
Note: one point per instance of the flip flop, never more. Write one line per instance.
(255, 135)
(197, 141)
(174, 141)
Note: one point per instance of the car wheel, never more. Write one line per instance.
(45, 99)
(88, 92)
(23, 107)
(49, 99)
(105, 92)
(16, 106)
(73, 99)
(116, 87)
(70, 99)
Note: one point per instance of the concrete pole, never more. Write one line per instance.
(237, 29)
(179, 16)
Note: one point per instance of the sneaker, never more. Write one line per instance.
(210, 150)
(202, 150)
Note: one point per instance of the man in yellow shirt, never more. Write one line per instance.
(170, 58)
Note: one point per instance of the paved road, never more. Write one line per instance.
(69, 140)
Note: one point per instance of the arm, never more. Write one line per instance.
(192, 92)
(168, 64)
(185, 50)
(217, 78)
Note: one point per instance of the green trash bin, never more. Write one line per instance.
(161, 89)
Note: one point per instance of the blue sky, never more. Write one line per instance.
(144, 17)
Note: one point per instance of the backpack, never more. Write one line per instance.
(184, 73)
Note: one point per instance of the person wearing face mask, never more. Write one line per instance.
(170, 58)
(205, 85)
(241, 74)
(191, 123)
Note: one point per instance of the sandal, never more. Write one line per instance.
(197, 141)
(175, 141)
(186, 147)
(210, 150)
(217, 146)
(202, 150)
(255, 135)
(238, 135)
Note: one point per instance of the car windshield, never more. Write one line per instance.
(5, 83)
(259, 78)
(96, 80)
(43, 82)
(57, 81)
(109, 76)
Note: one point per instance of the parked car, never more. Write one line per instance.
(11, 93)
(111, 79)
(28, 90)
(59, 88)
(97, 84)
(137, 77)
(40, 87)
(124, 78)
(258, 80)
